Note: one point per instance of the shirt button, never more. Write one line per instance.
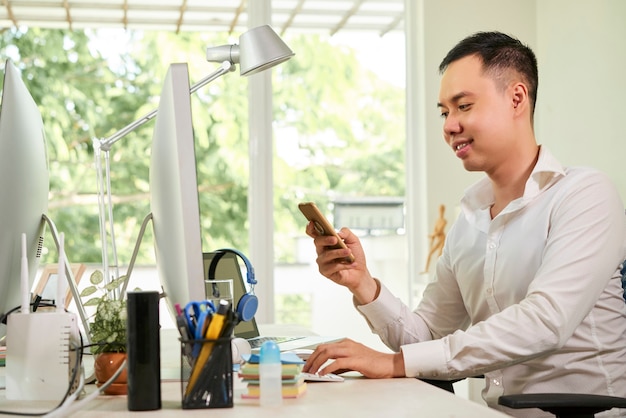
(496, 382)
(489, 290)
(492, 246)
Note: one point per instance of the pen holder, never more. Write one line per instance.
(208, 383)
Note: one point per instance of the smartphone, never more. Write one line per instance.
(322, 226)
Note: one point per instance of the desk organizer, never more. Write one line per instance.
(208, 383)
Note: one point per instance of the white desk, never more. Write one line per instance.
(356, 396)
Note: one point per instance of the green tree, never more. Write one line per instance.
(349, 129)
(345, 124)
(76, 92)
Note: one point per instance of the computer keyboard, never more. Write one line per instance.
(258, 341)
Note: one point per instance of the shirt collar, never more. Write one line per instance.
(546, 172)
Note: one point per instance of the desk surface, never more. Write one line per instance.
(401, 397)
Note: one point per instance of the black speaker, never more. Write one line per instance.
(143, 351)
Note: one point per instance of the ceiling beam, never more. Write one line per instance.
(393, 25)
(184, 15)
(355, 7)
(68, 16)
(7, 4)
(238, 12)
(292, 16)
(125, 16)
(181, 16)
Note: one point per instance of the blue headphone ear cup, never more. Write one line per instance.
(247, 306)
(248, 303)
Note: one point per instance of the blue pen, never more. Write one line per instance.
(198, 316)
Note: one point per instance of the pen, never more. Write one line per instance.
(217, 388)
(213, 332)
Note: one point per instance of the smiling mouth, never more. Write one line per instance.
(461, 145)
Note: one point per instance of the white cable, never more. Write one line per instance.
(62, 409)
(73, 395)
(24, 286)
(61, 283)
(71, 408)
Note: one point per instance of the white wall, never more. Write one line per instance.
(447, 22)
(582, 82)
(582, 77)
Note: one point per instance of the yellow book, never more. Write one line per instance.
(289, 391)
(251, 371)
(298, 380)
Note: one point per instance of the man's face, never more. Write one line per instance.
(476, 115)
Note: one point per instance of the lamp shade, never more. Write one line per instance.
(259, 48)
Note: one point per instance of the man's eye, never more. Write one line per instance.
(444, 114)
(464, 106)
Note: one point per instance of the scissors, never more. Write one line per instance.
(198, 315)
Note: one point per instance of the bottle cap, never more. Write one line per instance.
(270, 354)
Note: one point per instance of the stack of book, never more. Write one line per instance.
(294, 385)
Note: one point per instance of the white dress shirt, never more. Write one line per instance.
(532, 299)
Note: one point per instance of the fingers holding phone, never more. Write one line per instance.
(340, 255)
(319, 226)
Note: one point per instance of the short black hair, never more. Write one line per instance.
(499, 52)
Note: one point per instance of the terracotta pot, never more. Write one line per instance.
(105, 366)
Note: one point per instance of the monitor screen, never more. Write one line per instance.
(229, 268)
(24, 186)
(174, 193)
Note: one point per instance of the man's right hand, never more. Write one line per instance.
(354, 276)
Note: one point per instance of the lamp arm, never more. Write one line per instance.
(226, 67)
(106, 143)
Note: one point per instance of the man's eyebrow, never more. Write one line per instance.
(456, 98)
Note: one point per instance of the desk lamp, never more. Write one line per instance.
(259, 49)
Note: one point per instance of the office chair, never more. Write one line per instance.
(564, 405)
(567, 405)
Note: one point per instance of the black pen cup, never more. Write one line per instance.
(208, 382)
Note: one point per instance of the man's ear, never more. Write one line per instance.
(520, 95)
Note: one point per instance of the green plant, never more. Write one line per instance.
(108, 328)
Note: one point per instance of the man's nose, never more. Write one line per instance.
(451, 126)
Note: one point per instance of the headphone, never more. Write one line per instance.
(248, 303)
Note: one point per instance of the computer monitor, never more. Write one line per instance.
(174, 193)
(24, 186)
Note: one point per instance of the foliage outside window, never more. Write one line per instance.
(338, 130)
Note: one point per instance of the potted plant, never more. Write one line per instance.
(107, 330)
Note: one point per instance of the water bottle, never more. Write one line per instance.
(270, 375)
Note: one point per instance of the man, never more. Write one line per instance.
(527, 290)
